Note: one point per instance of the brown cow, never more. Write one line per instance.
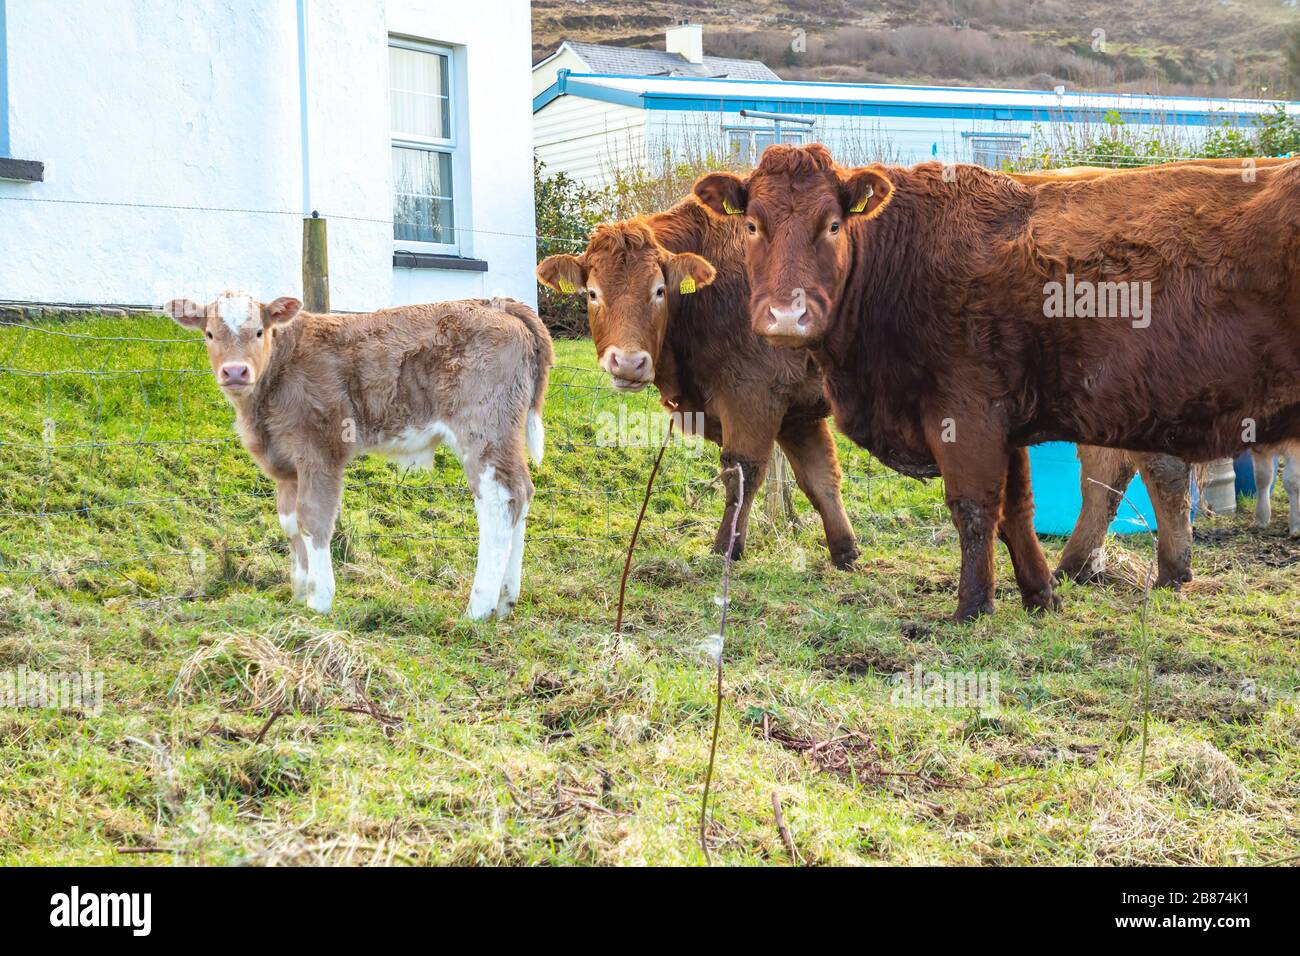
(649, 323)
(311, 392)
(930, 302)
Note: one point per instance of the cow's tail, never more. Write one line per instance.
(543, 359)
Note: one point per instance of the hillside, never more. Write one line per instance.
(1173, 46)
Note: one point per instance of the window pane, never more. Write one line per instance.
(762, 141)
(418, 93)
(993, 151)
(738, 145)
(422, 196)
(790, 137)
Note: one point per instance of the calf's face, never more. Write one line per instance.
(239, 332)
(798, 207)
(625, 278)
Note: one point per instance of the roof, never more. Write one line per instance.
(633, 62)
(693, 94)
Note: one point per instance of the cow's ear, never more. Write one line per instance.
(865, 191)
(282, 309)
(563, 273)
(686, 272)
(187, 313)
(724, 194)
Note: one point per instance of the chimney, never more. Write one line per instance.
(686, 39)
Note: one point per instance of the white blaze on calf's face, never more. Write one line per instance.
(238, 331)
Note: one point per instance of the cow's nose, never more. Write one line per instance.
(787, 321)
(629, 365)
(234, 374)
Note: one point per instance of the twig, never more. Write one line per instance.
(1143, 631)
(636, 530)
(722, 636)
(261, 734)
(145, 849)
(784, 830)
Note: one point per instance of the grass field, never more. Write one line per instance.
(138, 541)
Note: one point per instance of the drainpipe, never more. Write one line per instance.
(4, 85)
(302, 106)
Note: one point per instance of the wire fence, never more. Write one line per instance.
(121, 475)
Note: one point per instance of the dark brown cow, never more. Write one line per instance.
(929, 301)
(640, 280)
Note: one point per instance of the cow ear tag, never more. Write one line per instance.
(687, 286)
(729, 209)
(566, 286)
(861, 204)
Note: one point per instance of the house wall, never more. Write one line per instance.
(197, 105)
(589, 140)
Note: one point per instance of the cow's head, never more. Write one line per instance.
(239, 332)
(627, 279)
(797, 206)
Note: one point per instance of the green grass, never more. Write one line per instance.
(137, 540)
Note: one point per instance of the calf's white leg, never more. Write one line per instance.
(1263, 485)
(287, 508)
(495, 536)
(319, 493)
(1291, 481)
(515, 567)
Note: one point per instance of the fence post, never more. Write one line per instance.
(778, 496)
(315, 265)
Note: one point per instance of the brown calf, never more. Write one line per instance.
(659, 312)
(311, 392)
(927, 302)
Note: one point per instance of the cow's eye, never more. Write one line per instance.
(592, 294)
(259, 333)
(659, 292)
(208, 334)
(752, 227)
(835, 228)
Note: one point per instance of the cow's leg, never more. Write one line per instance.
(973, 461)
(320, 489)
(816, 465)
(496, 531)
(1101, 469)
(1016, 529)
(521, 496)
(747, 439)
(1169, 483)
(1291, 481)
(1263, 462)
(286, 506)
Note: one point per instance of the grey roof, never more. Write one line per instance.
(625, 60)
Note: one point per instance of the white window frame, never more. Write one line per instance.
(1016, 140)
(777, 131)
(447, 145)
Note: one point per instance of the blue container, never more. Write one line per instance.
(1244, 466)
(1054, 471)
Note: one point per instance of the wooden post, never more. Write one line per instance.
(315, 265)
(778, 497)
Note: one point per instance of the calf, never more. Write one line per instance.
(926, 300)
(311, 392)
(661, 313)
(1264, 459)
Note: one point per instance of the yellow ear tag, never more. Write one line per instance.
(566, 286)
(687, 286)
(729, 209)
(861, 204)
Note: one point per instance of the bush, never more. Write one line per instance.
(567, 211)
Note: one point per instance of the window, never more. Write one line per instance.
(423, 121)
(993, 150)
(746, 143)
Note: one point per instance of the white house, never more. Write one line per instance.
(156, 148)
(590, 125)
